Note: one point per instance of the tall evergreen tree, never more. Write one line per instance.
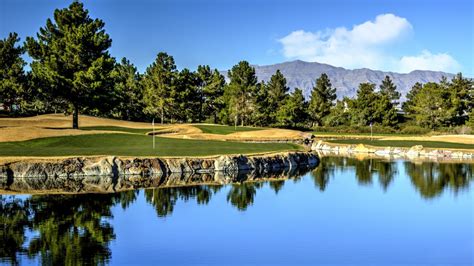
(211, 89)
(277, 91)
(185, 97)
(70, 56)
(263, 115)
(388, 88)
(385, 112)
(293, 112)
(363, 107)
(372, 107)
(321, 101)
(462, 98)
(340, 114)
(432, 106)
(410, 101)
(12, 76)
(241, 89)
(159, 83)
(128, 92)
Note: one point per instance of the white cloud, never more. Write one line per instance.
(365, 45)
(429, 61)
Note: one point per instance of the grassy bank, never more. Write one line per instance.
(404, 143)
(133, 145)
(224, 130)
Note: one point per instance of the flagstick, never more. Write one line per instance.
(153, 124)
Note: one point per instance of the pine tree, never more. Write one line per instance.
(70, 56)
(388, 88)
(384, 112)
(293, 112)
(241, 89)
(461, 97)
(185, 97)
(339, 115)
(263, 115)
(128, 92)
(12, 76)
(410, 102)
(277, 91)
(321, 101)
(159, 83)
(211, 89)
(431, 106)
(363, 107)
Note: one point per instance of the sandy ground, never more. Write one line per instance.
(273, 134)
(62, 121)
(52, 125)
(465, 139)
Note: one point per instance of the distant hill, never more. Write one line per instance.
(300, 74)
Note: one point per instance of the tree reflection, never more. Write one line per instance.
(76, 229)
(431, 179)
(164, 199)
(14, 214)
(72, 228)
(364, 170)
(68, 229)
(242, 195)
(386, 172)
(277, 185)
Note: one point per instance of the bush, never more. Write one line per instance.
(463, 130)
(357, 129)
(415, 130)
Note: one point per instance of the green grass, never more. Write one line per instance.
(405, 143)
(133, 145)
(224, 130)
(119, 129)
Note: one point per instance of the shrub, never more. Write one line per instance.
(415, 130)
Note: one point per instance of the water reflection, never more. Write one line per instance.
(364, 170)
(431, 179)
(164, 199)
(72, 228)
(67, 229)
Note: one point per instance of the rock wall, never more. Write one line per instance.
(408, 153)
(152, 167)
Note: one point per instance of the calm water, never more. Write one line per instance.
(345, 211)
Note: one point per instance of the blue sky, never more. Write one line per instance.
(395, 35)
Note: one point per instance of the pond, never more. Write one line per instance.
(345, 211)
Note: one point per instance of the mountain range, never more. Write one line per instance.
(301, 74)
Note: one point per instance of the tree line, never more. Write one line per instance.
(72, 71)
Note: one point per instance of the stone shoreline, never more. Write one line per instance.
(397, 152)
(153, 167)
